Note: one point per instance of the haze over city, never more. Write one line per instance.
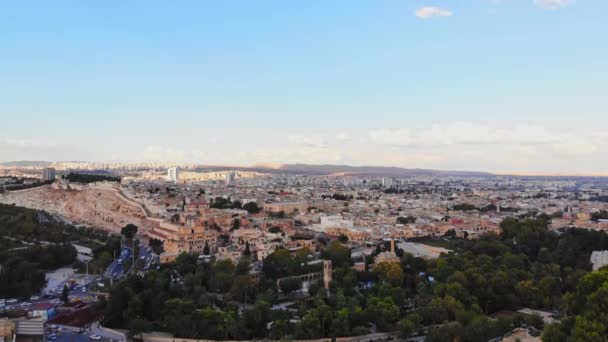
(485, 85)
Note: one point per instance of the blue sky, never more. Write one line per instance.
(492, 85)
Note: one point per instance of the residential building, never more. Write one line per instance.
(48, 174)
(173, 174)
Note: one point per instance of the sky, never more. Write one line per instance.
(481, 85)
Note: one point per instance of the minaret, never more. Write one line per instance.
(498, 207)
(326, 273)
(393, 246)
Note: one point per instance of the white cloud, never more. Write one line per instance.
(464, 133)
(400, 137)
(342, 136)
(24, 144)
(430, 12)
(158, 153)
(311, 141)
(24, 149)
(304, 154)
(553, 4)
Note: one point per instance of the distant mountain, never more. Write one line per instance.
(373, 170)
(26, 163)
(304, 169)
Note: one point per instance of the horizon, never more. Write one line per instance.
(286, 165)
(486, 85)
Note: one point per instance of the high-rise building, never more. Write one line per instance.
(387, 182)
(48, 174)
(173, 174)
(230, 176)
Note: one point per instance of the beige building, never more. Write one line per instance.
(182, 237)
(286, 207)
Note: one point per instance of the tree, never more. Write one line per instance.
(247, 251)
(129, 231)
(406, 220)
(278, 264)
(277, 215)
(138, 326)
(206, 250)
(382, 312)
(221, 203)
(156, 245)
(252, 208)
(406, 328)
(338, 254)
(290, 285)
(343, 238)
(310, 325)
(65, 294)
(391, 273)
(275, 230)
(450, 234)
(236, 224)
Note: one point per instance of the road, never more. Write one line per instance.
(64, 333)
(116, 269)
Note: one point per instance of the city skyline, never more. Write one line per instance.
(496, 86)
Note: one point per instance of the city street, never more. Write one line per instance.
(62, 333)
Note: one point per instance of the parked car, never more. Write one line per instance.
(95, 337)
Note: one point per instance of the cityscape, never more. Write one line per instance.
(313, 171)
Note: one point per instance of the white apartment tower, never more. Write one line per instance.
(173, 174)
(230, 176)
(48, 174)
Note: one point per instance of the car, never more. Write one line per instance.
(81, 330)
(24, 304)
(54, 327)
(84, 289)
(34, 297)
(51, 337)
(11, 301)
(95, 337)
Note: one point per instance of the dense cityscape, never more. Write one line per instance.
(155, 254)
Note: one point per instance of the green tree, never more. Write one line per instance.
(156, 245)
(406, 220)
(390, 272)
(383, 312)
(406, 327)
(129, 231)
(275, 230)
(338, 254)
(252, 207)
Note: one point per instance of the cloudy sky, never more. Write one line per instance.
(488, 85)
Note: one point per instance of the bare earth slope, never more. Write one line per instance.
(102, 207)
